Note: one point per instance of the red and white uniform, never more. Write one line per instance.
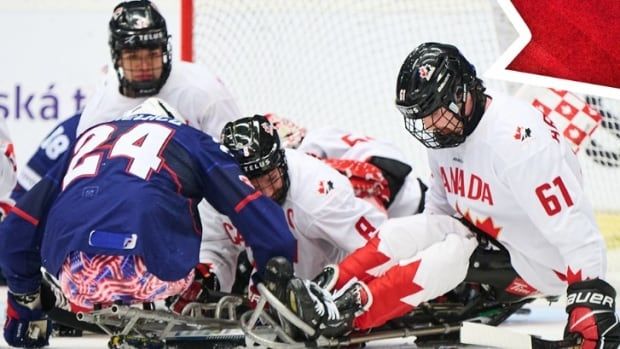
(191, 89)
(334, 143)
(514, 178)
(323, 214)
(517, 179)
(8, 176)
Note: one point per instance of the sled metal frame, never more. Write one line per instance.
(268, 333)
(125, 320)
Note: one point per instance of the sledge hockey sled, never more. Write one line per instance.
(201, 325)
(272, 325)
(131, 327)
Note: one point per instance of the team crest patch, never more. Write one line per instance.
(325, 187)
(426, 72)
(522, 133)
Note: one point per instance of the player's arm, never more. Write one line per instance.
(22, 232)
(51, 149)
(21, 236)
(552, 195)
(341, 217)
(259, 219)
(436, 200)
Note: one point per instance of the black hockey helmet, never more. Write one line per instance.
(255, 143)
(134, 25)
(437, 76)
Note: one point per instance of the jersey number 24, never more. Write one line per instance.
(142, 145)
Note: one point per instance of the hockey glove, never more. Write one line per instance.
(26, 325)
(591, 314)
(366, 179)
(205, 281)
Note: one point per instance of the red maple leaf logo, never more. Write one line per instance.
(412, 269)
(487, 225)
(570, 277)
(407, 289)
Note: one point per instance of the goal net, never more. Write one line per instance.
(335, 62)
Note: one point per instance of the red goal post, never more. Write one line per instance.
(187, 27)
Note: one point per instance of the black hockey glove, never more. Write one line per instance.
(26, 325)
(205, 282)
(591, 314)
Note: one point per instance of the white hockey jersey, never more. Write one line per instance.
(323, 214)
(516, 179)
(331, 142)
(191, 89)
(8, 176)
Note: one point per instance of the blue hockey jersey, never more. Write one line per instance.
(51, 149)
(132, 187)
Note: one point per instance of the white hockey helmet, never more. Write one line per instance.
(155, 106)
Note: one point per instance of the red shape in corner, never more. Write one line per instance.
(571, 39)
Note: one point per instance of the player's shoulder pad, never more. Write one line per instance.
(196, 77)
(518, 130)
(312, 181)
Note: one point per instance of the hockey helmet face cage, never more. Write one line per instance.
(432, 91)
(139, 30)
(255, 143)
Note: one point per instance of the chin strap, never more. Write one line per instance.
(479, 99)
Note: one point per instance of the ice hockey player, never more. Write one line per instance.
(142, 60)
(377, 169)
(116, 219)
(326, 218)
(502, 167)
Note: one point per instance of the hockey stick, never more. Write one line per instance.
(481, 334)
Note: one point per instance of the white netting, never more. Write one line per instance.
(335, 62)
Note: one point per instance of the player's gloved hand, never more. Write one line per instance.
(591, 308)
(26, 324)
(198, 291)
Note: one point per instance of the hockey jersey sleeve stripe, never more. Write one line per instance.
(5, 208)
(25, 216)
(247, 200)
